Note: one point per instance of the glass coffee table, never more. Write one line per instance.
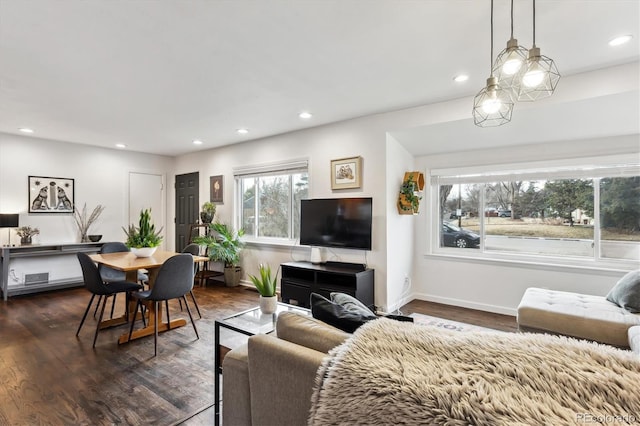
(234, 330)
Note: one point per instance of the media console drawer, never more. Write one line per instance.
(300, 279)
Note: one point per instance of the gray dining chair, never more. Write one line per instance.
(193, 249)
(174, 281)
(93, 282)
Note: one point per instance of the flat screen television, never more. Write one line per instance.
(336, 222)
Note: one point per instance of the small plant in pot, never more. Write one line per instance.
(25, 233)
(266, 286)
(143, 240)
(224, 245)
(208, 212)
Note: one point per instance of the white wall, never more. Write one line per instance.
(101, 177)
(498, 286)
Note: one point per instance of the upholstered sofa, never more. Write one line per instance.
(271, 380)
(277, 372)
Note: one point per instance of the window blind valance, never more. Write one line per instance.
(289, 166)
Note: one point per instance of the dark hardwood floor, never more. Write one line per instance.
(50, 377)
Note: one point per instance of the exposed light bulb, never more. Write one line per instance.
(492, 104)
(534, 75)
(512, 64)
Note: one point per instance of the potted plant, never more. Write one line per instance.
(266, 286)
(143, 240)
(409, 199)
(224, 245)
(25, 233)
(208, 212)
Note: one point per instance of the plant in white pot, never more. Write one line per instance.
(224, 245)
(266, 286)
(143, 240)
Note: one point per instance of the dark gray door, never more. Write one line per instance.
(187, 207)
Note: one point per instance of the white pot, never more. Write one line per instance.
(143, 251)
(268, 305)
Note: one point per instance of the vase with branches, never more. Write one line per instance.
(84, 222)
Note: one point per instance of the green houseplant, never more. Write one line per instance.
(208, 212)
(266, 286)
(25, 233)
(224, 245)
(409, 200)
(143, 240)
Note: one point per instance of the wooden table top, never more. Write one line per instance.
(127, 261)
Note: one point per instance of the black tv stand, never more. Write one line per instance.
(300, 279)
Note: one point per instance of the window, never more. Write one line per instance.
(269, 199)
(582, 213)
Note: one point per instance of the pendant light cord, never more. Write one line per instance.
(534, 23)
(511, 18)
(491, 58)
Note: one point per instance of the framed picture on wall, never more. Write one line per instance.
(346, 173)
(216, 189)
(51, 194)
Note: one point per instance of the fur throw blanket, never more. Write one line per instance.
(394, 373)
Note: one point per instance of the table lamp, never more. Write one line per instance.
(9, 221)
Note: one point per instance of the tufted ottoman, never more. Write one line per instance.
(573, 314)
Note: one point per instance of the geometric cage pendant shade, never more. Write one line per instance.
(510, 65)
(540, 77)
(493, 105)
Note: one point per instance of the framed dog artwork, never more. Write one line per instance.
(51, 195)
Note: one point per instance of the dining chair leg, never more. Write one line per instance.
(155, 334)
(113, 305)
(86, 311)
(166, 307)
(133, 321)
(191, 317)
(104, 304)
(95, 312)
(194, 302)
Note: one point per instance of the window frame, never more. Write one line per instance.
(591, 168)
(289, 168)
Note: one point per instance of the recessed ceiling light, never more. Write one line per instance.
(620, 40)
(25, 130)
(460, 78)
(121, 145)
(242, 131)
(305, 115)
(197, 142)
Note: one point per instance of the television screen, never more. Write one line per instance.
(336, 222)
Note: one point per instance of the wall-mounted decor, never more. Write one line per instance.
(51, 195)
(346, 173)
(410, 193)
(216, 189)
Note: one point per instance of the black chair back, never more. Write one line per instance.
(110, 274)
(193, 249)
(92, 279)
(175, 278)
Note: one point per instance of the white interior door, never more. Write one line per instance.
(146, 191)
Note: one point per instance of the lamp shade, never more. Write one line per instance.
(9, 220)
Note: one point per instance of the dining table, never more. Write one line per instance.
(130, 264)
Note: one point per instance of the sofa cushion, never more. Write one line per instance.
(336, 315)
(351, 304)
(307, 331)
(626, 292)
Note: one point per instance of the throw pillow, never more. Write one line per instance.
(333, 314)
(626, 292)
(351, 304)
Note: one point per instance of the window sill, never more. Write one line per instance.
(608, 268)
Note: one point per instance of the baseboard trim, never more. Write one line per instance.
(465, 304)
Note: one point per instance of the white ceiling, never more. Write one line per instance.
(155, 75)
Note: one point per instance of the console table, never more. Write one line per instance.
(8, 253)
(300, 279)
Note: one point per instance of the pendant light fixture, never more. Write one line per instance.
(541, 76)
(511, 63)
(493, 105)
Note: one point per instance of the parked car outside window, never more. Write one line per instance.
(504, 213)
(452, 236)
